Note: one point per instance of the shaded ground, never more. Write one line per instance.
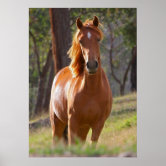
(118, 138)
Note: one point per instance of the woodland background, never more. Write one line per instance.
(50, 37)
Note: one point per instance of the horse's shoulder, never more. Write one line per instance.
(62, 74)
(64, 71)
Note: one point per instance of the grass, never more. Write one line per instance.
(38, 117)
(118, 136)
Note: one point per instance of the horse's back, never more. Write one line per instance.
(58, 102)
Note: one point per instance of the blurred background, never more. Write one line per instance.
(118, 49)
(50, 37)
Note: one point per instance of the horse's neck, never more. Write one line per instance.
(91, 83)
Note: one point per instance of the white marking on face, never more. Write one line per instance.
(89, 35)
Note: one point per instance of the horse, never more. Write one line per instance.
(81, 97)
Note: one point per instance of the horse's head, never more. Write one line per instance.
(89, 36)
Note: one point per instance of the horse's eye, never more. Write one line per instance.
(80, 41)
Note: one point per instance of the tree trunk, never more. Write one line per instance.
(133, 77)
(41, 84)
(40, 95)
(61, 36)
(48, 89)
(122, 89)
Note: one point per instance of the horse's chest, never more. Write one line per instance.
(87, 109)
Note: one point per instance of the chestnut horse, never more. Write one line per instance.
(81, 97)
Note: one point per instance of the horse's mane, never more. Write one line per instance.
(77, 61)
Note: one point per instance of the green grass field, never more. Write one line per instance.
(119, 135)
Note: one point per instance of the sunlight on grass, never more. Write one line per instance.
(41, 116)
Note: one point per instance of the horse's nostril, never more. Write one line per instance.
(87, 65)
(92, 65)
(96, 64)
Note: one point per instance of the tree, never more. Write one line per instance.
(48, 88)
(122, 81)
(42, 79)
(133, 77)
(42, 64)
(121, 25)
(40, 47)
(129, 33)
(61, 36)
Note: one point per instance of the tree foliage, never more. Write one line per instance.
(39, 53)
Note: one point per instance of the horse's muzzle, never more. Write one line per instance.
(92, 67)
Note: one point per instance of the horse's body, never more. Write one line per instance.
(80, 99)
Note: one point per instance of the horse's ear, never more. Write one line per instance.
(79, 23)
(95, 21)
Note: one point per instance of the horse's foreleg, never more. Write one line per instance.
(72, 130)
(82, 132)
(58, 127)
(96, 130)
